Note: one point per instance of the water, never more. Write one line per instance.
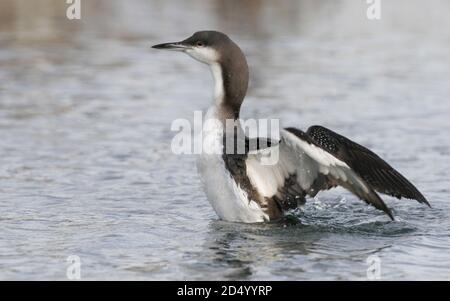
(85, 115)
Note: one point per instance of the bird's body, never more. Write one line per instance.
(240, 186)
(222, 189)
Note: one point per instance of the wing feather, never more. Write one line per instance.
(368, 165)
(321, 159)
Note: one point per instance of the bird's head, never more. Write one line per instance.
(227, 62)
(208, 47)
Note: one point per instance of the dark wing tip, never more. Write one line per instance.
(391, 216)
(421, 199)
(375, 200)
(403, 188)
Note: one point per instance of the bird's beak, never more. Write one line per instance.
(176, 46)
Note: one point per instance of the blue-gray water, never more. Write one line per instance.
(85, 161)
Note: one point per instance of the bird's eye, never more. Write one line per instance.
(199, 44)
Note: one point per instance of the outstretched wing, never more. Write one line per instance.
(319, 160)
(375, 171)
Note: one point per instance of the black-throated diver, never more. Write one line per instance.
(240, 188)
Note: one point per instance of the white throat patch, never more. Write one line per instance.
(211, 57)
(219, 92)
(205, 55)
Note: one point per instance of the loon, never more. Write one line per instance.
(240, 187)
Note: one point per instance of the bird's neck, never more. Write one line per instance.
(230, 87)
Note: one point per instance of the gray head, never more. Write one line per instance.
(227, 62)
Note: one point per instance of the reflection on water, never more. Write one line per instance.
(85, 114)
(285, 251)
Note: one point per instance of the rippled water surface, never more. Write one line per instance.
(85, 115)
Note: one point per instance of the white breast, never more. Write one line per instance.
(226, 197)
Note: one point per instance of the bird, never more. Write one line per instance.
(243, 188)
